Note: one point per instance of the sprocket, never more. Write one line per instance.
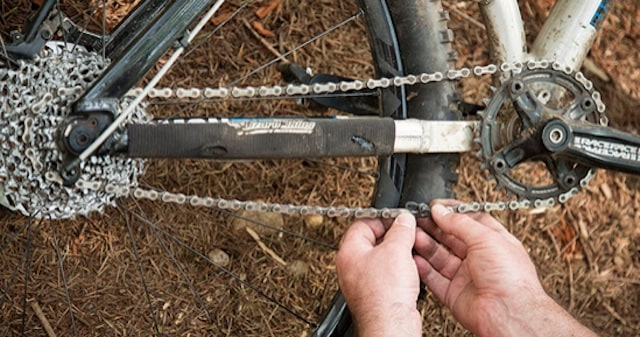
(511, 131)
(35, 98)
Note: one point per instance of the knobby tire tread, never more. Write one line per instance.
(424, 42)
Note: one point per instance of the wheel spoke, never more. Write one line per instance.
(27, 271)
(104, 29)
(216, 29)
(300, 46)
(14, 237)
(84, 28)
(63, 276)
(5, 54)
(134, 247)
(195, 103)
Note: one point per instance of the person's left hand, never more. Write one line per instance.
(379, 278)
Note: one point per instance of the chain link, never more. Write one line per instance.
(417, 209)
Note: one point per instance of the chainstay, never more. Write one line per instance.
(301, 90)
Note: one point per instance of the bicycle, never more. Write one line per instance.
(413, 91)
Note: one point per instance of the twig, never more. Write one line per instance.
(571, 290)
(266, 249)
(464, 15)
(45, 322)
(593, 68)
(553, 240)
(613, 313)
(263, 41)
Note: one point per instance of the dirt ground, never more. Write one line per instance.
(133, 268)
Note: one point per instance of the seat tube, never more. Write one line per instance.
(570, 30)
(505, 30)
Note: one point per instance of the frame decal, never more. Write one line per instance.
(601, 13)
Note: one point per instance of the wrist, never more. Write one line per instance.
(391, 320)
(539, 317)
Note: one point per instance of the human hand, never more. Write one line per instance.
(485, 277)
(379, 278)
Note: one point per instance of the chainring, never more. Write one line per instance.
(550, 91)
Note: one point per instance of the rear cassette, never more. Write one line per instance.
(37, 96)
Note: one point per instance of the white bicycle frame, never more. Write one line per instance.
(566, 38)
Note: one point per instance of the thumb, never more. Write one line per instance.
(403, 231)
(461, 226)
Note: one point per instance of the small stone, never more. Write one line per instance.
(260, 222)
(219, 257)
(298, 269)
(314, 221)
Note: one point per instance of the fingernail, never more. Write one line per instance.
(406, 219)
(440, 210)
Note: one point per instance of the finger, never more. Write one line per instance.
(446, 202)
(482, 217)
(364, 233)
(436, 282)
(464, 227)
(438, 256)
(454, 244)
(402, 232)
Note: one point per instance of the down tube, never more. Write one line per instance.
(570, 30)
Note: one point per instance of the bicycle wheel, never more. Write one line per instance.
(144, 268)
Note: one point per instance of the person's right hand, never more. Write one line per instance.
(485, 277)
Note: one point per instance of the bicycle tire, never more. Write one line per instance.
(420, 44)
(423, 44)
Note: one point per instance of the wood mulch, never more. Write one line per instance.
(587, 251)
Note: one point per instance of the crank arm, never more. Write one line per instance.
(269, 138)
(593, 145)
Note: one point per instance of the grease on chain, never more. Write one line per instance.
(417, 209)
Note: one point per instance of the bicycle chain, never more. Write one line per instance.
(417, 209)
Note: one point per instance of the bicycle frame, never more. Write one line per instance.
(566, 36)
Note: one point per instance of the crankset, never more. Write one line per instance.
(555, 119)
